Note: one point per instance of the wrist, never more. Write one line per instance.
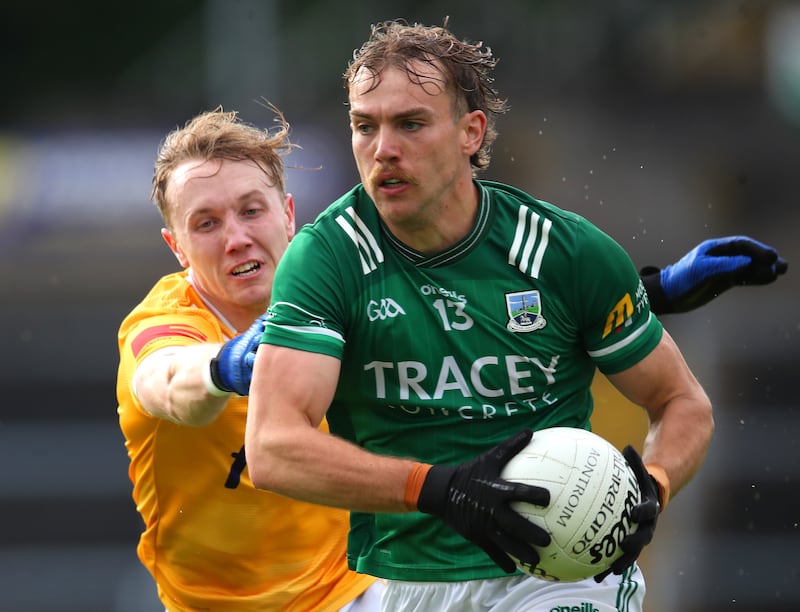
(659, 475)
(414, 482)
(211, 380)
(426, 487)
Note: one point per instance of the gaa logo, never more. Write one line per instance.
(387, 308)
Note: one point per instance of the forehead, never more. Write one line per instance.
(199, 184)
(421, 80)
(196, 176)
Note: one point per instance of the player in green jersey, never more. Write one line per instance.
(437, 320)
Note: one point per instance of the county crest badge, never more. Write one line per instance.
(524, 311)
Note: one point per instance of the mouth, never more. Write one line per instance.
(246, 269)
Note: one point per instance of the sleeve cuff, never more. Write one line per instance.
(208, 382)
(416, 478)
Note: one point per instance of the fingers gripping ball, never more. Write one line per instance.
(470, 498)
(592, 492)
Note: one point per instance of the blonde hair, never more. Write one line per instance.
(220, 135)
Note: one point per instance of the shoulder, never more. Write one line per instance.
(354, 202)
(512, 199)
(349, 223)
(171, 312)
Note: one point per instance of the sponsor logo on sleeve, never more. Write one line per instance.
(620, 316)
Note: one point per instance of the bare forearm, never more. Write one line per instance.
(678, 441)
(170, 385)
(314, 466)
(681, 421)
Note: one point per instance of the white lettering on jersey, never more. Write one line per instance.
(366, 245)
(407, 379)
(450, 310)
(433, 290)
(525, 239)
(387, 308)
(483, 411)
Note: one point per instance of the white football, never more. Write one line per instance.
(592, 490)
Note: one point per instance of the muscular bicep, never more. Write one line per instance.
(657, 379)
(681, 420)
(291, 385)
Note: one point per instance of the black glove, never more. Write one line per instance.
(473, 500)
(710, 268)
(645, 514)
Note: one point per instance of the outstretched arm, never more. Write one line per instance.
(190, 385)
(710, 268)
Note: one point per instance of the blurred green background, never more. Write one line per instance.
(664, 123)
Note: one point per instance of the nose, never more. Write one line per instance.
(237, 234)
(386, 146)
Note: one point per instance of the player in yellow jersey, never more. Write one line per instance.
(211, 540)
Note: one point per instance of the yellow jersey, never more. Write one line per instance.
(211, 540)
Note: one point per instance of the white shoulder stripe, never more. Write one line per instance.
(309, 329)
(537, 259)
(366, 245)
(525, 238)
(613, 348)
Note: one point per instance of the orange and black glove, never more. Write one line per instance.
(473, 500)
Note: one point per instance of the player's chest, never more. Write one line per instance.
(462, 311)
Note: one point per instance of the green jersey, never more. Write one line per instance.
(443, 356)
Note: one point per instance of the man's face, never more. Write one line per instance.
(412, 152)
(231, 226)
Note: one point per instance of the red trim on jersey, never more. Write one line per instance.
(164, 331)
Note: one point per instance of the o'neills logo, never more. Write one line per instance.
(607, 545)
(584, 607)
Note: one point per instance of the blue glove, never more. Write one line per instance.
(710, 268)
(232, 368)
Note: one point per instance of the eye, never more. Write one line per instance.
(411, 125)
(363, 128)
(205, 225)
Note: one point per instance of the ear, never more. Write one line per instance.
(173, 245)
(473, 130)
(288, 209)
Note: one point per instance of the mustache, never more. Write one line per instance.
(377, 175)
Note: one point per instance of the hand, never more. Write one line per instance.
(473, 500)
(710, 268)
(232, 368)
(645, 514)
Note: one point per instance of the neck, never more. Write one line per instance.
(447, 223)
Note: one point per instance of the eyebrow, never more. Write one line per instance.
(412, 112)
(241, 199)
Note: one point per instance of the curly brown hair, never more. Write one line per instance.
(465, 68)
(218, 135)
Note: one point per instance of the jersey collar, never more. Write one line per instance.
(459, 249)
